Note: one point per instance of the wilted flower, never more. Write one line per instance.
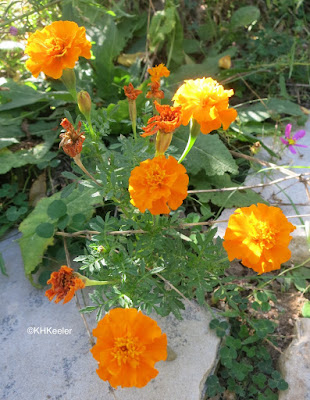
(56, 47)
(158, 184)
(205, 101)
(128, 345)
(259, 236)
(290, 141)
(158, 72)
(168, 120)
(65, 283)
(131, 93)
(155, 92)
(71, 140)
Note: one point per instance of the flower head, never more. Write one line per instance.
(259, 236)
(168, 120)
(128, 345)
(159, 185)
(71, 140)
(131, 93)
(206, 101)
(56, 47)
(65, 283)
(158, 72)
(290, 140)
(155, 92)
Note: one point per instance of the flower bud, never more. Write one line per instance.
(84, 103)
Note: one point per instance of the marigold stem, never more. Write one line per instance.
(77, 160)
(193, 134)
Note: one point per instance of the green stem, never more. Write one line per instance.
(92, 282)
(91, 129)
(193, 134)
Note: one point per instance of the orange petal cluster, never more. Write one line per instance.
(56, 47)
(71, 140)
(206, 101)
(128, 345)
(259, 236)
(155, 92)
(131, 93)
(65, 283)
(158, 72)
(158, 184)
(168, 120)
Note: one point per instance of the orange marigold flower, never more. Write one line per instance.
(128, 345)
(131, 92)
(155, 92)
(259, 236)
(65, 283)
(168, 120)
(71, 140)
(56, 47)
(158, 72)
(206, 101)
(159, 185)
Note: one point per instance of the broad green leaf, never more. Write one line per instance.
(19, 96)
(40, 152)
(32, 245)
(244, 16)
(208, 153)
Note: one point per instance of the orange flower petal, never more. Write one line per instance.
(158, 185)
(158, 72)
(128, 346)
(206, 101)
(259, 236)
(56, 47)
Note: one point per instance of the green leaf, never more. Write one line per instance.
(213, 386)
(306, 310)
(32, 245)
(244, 16)
(208, 153)
(19, 96)
(88, 309)
(57, 209)
(45, 230)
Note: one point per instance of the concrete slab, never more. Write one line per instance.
(60, 366)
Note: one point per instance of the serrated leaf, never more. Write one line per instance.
(88, 309)
(208, 153)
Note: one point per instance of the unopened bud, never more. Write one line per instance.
(84, 103)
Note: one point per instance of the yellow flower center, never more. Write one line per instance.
(56, 47)
(291, 141)
(127, 349)
(262, 234)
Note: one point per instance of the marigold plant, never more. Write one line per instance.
(65, 283)
(159, 185)
(56, 47)
(158, 72)
(128, 345)
(155, 92)
(206, 101)
(259, 236)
